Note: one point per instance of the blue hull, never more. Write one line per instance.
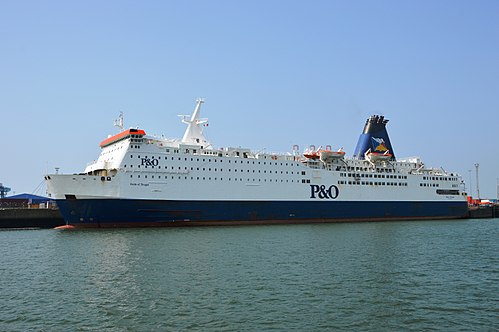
(137, 213)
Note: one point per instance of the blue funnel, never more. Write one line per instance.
(374, 137)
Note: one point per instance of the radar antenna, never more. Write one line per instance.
(119, 122)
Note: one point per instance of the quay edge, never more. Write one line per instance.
(30, 218)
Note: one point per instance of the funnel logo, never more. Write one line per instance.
(379, 145)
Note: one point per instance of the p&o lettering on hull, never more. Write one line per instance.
(149, 161)
(321, 192)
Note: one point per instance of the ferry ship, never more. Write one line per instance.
(143, 180)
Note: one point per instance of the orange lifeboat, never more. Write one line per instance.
(377, 156)
(311, 153)
(328, 154)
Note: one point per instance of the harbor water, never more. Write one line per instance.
(383, 276)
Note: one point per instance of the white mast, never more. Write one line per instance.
(119, 122)
(194, 133)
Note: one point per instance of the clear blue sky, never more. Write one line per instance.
(273, 73)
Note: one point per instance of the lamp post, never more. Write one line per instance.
(470, 186)
(477, 186)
